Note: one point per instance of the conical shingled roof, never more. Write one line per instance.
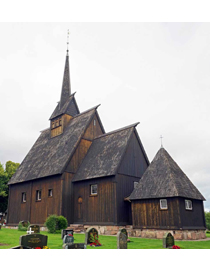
(164, 178)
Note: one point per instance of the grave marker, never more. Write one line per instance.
(66, 232)
(89, 234)
(122, 237)
(34, 228)
(33, 240)
(168, 240)
(74, 246)
(68, 239)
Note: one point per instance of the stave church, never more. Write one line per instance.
(94, 178)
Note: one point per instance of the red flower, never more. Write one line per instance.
(70, 235)
(38, 248)
(175, 247)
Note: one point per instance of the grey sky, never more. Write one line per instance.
(157, 74)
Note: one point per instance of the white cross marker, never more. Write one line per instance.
(30, 231)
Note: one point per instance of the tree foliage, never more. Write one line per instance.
(5, 175)
(207, 216)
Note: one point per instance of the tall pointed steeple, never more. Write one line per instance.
(66, 87)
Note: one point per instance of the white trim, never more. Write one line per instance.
(91, 189)
(188, 204)
(163, 204)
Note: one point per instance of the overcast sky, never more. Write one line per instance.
(157, 74)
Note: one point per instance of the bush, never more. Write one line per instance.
(51, 223)
(207, 217)
(23, 228)
(62, 222)
(54, 222)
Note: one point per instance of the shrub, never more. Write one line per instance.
(207, 217)
(54, 222)
(23, 228)
(51, 223)
(62, 222)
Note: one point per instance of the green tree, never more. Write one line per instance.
(207, 216)
(5, 175)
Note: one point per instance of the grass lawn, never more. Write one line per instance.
(10, 237)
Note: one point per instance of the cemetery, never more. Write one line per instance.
(14, 239)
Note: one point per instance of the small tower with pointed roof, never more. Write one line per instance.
(67, 107)
(165, 198)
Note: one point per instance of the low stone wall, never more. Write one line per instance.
(144, 233)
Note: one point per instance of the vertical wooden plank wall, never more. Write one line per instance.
(98, 209)
(147, 214)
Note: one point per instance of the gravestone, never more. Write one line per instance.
(33, 240)
(24, 223)
(66, 232)
(34, 228)
(90, 232)
(68, 239)
(122, 237)
(168, 240)
(74, 246)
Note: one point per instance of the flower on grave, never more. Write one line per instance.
(94, 240)
(175, 247)
(37, 248)
(70, 235)
(45, 247)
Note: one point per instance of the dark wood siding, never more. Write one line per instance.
(134, 162)
(40, 210)
(147, 214)
(93, 130)
(100, 209)
(32, 210)
(67, 197)
(131, 170)
(125, 185)
(17, 210)
(78, 156)
(192, 219)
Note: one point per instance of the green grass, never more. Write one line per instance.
(11, 237)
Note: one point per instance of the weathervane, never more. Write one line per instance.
(68, 33)
(161, 137)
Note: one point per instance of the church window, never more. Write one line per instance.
(38, 195)
(50, 193)
(57, 123)
(60, 122)
(94, 189)
(163, 204)
(53, 124)
(94, 122)
(188, 204)
(135, 184)
(23, 197)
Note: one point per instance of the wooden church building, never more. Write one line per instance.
(77, 170)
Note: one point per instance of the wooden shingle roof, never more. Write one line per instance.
(164, 178)
(49, 156)
(105, 154)
(69, 107)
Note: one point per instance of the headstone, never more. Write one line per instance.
(33, 240)
(24, 223)
(66, 232)
(68, 239)
(34, 228)
(122, 237)
(168, 240)
(74, 246)
(90, 233)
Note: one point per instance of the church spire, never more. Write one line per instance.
(66, 87)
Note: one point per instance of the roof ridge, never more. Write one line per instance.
(93, 108)
(117, 130)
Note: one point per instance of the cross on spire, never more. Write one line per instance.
(161, 138)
